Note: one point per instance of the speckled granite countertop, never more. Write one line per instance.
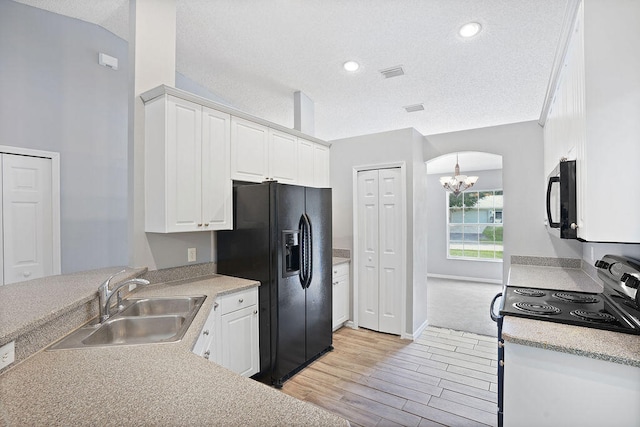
(154, 384)
(594, 343)
(30, 304)
(338, 260)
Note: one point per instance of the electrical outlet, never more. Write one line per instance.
(7, 354)
(191, 255)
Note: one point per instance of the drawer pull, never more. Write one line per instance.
(205, 332)
(255, 311)
(206, 354)
(241, 300)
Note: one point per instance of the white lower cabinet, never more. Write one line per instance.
(229, 336)
(340, 285)
(549, 388)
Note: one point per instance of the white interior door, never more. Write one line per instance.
(390, 250)
(368, 249)
(380, 250)
(27, 217)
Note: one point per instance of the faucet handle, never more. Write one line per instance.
(108, 281)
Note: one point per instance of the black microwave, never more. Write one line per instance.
(562, 218)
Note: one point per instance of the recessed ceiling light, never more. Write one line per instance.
(470, 29)
(351, 66)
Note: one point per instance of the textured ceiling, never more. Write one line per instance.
(256, 54)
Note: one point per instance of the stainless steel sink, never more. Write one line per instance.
(160, 306)
(141, 321)
(136, 330)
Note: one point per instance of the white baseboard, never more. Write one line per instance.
(416, 333)
(350, 324)
(467, 279)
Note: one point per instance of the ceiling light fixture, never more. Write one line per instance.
(457, 183)
(470, 29)
(351, 66)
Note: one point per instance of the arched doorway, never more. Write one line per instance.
(465, 242)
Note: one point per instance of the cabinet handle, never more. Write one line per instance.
(574, 226)
(205, 332)
(501, 363)
(206, 354)
(200, 225)
(215, 305)
(500, 344)
(206, 224)
(255, 311)
(241, 300)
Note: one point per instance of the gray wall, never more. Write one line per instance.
(521, 148)
(56, 97)
(437, 261)
(383, 148)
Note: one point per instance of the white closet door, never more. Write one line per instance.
(368, 249)
(380, 251)
(27, 217)
(390, 250)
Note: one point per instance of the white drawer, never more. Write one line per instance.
(340, 269)
(238, 300)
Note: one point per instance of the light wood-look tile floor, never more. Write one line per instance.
(444, 377)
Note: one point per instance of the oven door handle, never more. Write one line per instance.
(493, 302)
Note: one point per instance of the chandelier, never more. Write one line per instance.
(457, 183)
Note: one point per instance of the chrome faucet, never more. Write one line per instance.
(104, 294)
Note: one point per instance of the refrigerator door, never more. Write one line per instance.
(319, 290)
(290, 294)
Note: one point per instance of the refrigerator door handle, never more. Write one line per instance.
(308, 251)
(302, 272)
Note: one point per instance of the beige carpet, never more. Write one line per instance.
(461, 305)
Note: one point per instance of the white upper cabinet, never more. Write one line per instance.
(283, 157)
(249, 150)
(594, 119)
(187, 181)
(321, 166)
(305, 162)
(260, 153)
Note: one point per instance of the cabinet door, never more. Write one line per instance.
(283, 157)
(305, 162)
(340, 295)
(321, 166)
(203, 346)
(249, 151)
(239, 341)
(183, 165)
(216, 172)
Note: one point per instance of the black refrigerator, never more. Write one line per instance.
(282, 238)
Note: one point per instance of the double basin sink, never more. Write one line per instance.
(139, 321)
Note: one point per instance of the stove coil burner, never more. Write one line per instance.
(594, 316)
(529, 292)
(533, 308)
(575, 298)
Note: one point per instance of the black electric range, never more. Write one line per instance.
(617, 308)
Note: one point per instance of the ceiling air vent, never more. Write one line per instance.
(392, 72)
(413, 108)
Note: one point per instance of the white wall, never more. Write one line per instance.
(521, 148)
(437, 261)
(382, 148)
(55, 97)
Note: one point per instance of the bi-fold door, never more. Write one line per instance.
(379, 249)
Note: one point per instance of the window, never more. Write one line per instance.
(475, 225)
